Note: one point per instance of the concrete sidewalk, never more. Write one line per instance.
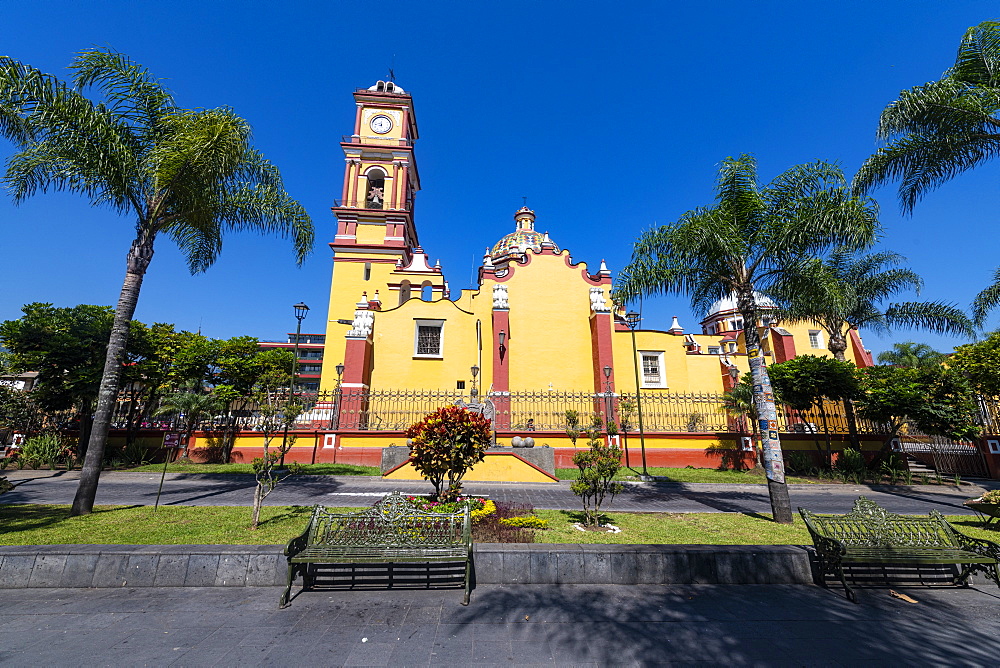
(514, 624)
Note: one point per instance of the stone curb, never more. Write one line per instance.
(511, 563)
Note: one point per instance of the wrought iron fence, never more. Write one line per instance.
(395, 410)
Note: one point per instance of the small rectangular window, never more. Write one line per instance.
(460, 385)
(428, 339)
(714, 350)
(815, 339)
(652, 369)
(368, 271)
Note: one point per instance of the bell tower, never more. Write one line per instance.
(376, 251)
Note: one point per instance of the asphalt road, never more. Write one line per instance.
(579, 625)
(235, 490)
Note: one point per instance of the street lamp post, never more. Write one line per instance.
(301, 310)
(632, 319)
(339, 393)
(608, 417)
(474, 392)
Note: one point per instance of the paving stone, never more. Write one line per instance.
(201, 570)
(266, 570)
(15, 571)
(140, 570)
(79, 570)
(232, 570)
(171, 570)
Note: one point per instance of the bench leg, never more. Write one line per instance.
(851, 594)
(468, 581)
(283, 601)
(963, 577)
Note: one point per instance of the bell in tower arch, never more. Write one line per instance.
(375, 198)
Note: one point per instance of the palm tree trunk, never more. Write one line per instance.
(138, 260)
(774, 464)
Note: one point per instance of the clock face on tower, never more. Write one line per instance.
(381, 124)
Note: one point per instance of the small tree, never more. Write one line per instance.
(980, 363)
(191, 409)
(805, 381)
(446, 444)
(598, 467)
(274, 420)
(626, 411)
(738, 403)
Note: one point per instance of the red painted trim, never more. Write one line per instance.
(861, 356)
(783, 346)
(601, 350)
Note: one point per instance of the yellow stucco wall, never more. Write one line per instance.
(496, 467)
(549, 339)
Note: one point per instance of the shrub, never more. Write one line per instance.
(528, 522)
(598, 467)
(800, 462)
(851, 465)
(45, 449)
(5, 485)
(446, 444)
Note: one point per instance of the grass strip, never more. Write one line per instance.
(307, 469)
(689, 474)
(30, 524)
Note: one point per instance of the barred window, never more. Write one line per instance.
(428, 338)
(652, 369)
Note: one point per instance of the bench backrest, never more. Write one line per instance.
(870, 525)
(392, 523)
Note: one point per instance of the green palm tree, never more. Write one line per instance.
(943, 128)
(190, 175)
(743, 244)
(912, 355)
(191, 409)
(847, 290)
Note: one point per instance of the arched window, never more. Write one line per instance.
(426, 292)
(375, 199)
(404, 292)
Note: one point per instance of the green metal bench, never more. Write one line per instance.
(390, 532)
(871, 535)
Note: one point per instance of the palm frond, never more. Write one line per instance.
(131, 91)
(987, 300)
(938, 317)
(978, 59)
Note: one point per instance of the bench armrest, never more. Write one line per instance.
(826, 547)
(987, 548)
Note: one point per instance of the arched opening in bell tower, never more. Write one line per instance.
(375, 198)
(404, 292)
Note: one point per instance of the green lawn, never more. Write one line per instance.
(307, 469)
(688, 475)
(227, 525)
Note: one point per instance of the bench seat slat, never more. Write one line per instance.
(914, 555)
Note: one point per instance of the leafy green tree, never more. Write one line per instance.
(807, 381)
(937, 401)
(572, 425)
(912, 355)
(847, 290)
(19, 414)
(446, 444)
(943, 128)
(741, 246)
(980, 363)
(598, 467)
(190, 175)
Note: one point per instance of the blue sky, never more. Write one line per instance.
(610, 118)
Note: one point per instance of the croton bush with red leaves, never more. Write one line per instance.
(446, 444)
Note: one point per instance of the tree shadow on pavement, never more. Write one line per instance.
(737, 625)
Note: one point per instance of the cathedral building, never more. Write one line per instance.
(537, 337)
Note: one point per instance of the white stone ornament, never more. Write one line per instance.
(500, 297)
(363, 323)
(597, 301)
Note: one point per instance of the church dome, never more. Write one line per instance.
(524, 237)
(728, 304)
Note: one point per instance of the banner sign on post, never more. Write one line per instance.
(171, 440)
